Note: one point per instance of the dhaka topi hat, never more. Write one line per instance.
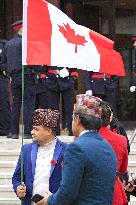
(88, 104)
(45, 117)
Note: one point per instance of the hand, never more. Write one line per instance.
(89, 92)
(63, 73)
(21, 190)
(132, 89)
(44, 201)
(47, 193)
(130, 186)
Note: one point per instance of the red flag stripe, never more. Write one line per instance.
(49, 37)
(110, 61)
(38, 36)
(101, 40)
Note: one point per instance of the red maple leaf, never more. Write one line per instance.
(71, 37)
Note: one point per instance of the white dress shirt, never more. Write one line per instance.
(43, 167)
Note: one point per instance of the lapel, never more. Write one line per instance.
(34, 156)
(57, 151)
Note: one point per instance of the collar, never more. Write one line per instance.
(48, 145)
(83, 132)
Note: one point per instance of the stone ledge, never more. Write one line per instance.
(9, 201)
(7, 163)
(6, 152)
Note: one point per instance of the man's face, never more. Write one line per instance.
(20, 30)
(41, 134)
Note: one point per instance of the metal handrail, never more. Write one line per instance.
(132, 137)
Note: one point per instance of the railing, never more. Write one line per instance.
(132, 137)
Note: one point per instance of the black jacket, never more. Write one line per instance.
(11, 57)
(99, 85)
(58, 84)
(134, 66)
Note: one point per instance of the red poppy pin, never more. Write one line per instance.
(53, 161)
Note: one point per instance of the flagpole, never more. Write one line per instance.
(22, 134)
(24, 35)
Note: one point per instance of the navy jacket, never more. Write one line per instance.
(58, 84)
(88, 174)
(134, 76)
(11, 57)
(134, 65)
(29, 160)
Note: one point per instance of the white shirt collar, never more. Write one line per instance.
(83, 132)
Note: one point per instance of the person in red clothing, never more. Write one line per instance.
(119, 145)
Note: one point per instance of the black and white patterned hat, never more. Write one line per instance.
(45, 117)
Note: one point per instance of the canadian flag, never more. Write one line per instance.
(50, 37)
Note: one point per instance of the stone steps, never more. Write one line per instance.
(7, 191)
(9, 155)
(132, 155)
(10, 201)
(5, 178)
(7, 166)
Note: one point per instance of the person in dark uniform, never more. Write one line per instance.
(102, 86)
(41, 95)
(4, 100)
(133, 87)
(61, 81)
(41, 91)
(12, 62)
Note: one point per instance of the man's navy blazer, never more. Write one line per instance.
(29, 154)
(88, 174)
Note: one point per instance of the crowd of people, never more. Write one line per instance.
(91, 170)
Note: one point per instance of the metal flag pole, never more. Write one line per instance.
(25, 2)
(22, 135)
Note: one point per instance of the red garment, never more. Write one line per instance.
(119, 144)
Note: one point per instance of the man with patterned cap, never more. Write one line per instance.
(89, 169)
(42, 159)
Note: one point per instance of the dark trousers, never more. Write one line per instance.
(54, 103)
(41, 101)
(4, 106)
(110, 98)
(29, 104)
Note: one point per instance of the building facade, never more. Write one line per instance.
(112, 18)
